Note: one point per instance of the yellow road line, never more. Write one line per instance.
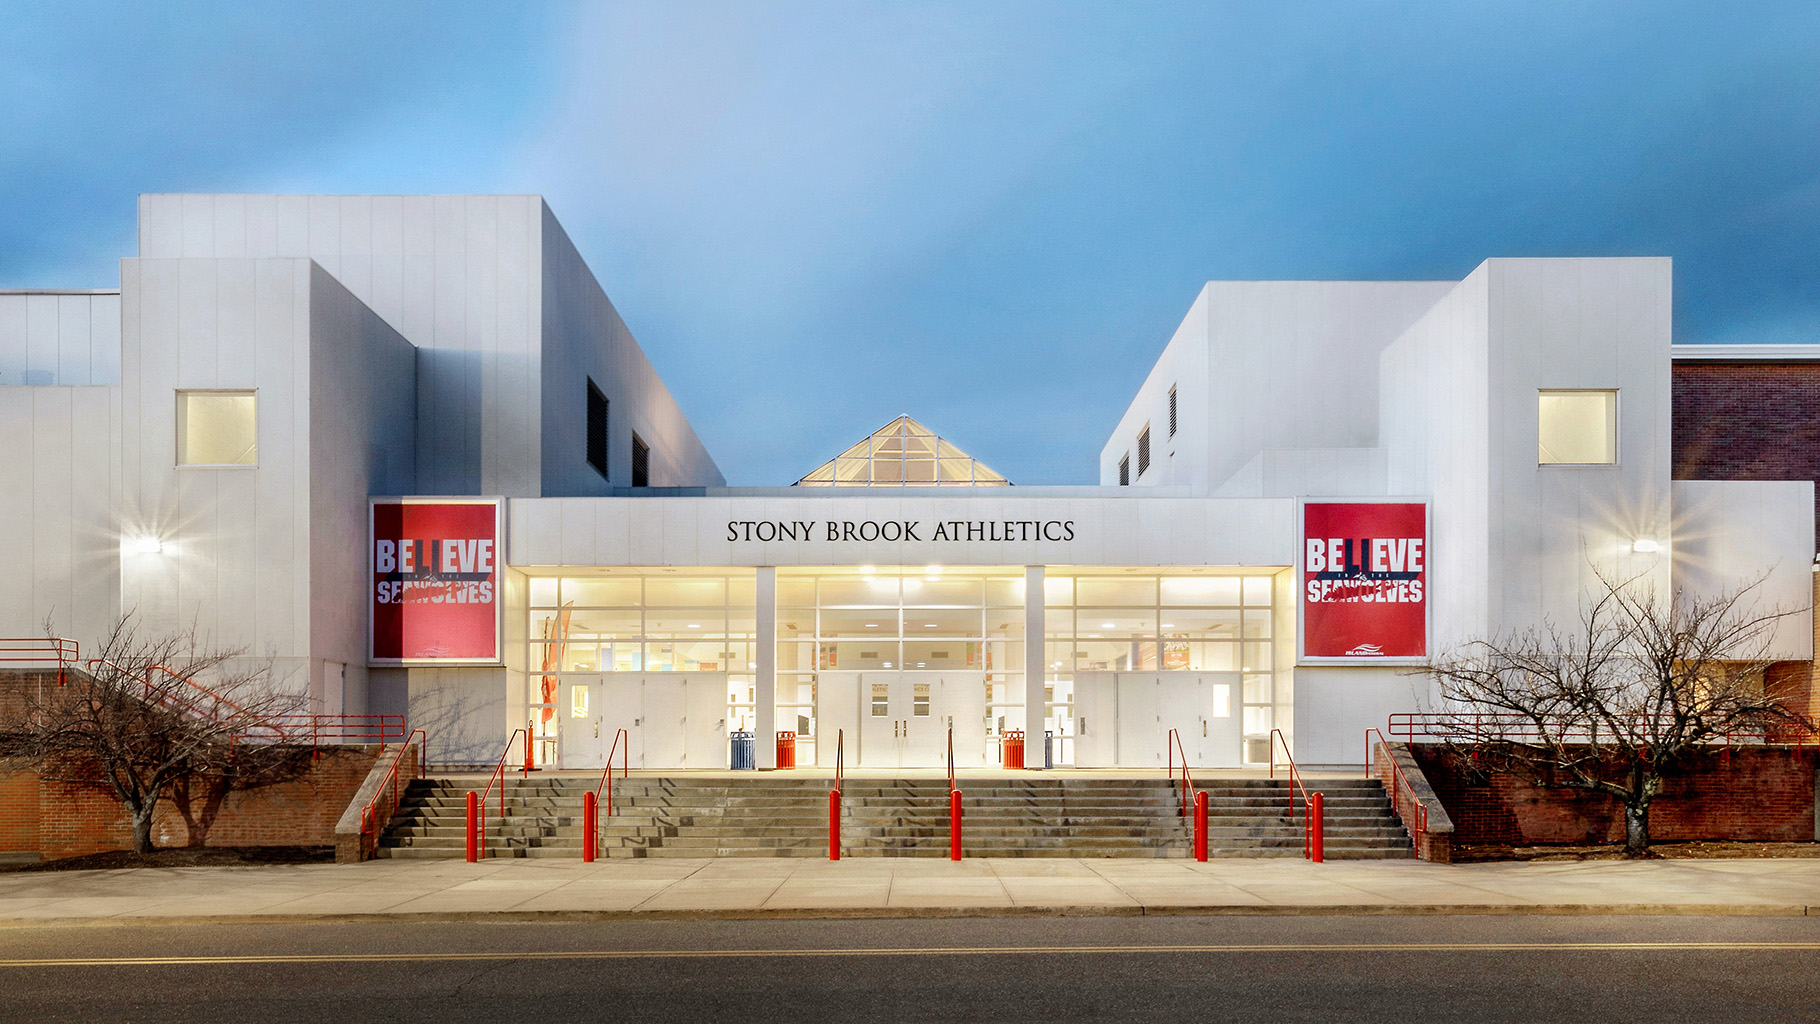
(714, 954)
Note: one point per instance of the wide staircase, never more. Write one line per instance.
(777, 816)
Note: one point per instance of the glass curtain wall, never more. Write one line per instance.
(640, 623)
(898, 620)
(1149, 623)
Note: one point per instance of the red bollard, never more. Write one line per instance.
(529, 767)
(473, 826)
(834, 824)
(590, 818)
(1200, 826)
(954, 824)
(1316, 829)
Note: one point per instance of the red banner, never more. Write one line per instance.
(435, 591)
(1365, 580)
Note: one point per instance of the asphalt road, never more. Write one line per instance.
(1252, 969)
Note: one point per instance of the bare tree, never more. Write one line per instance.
(157, 716)
(1609, 707)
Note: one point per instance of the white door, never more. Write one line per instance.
(665, 707)
(704, 724)
(883, 707)
(1140, 722)
(579, 722)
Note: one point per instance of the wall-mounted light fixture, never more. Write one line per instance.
(1645, 546)
(147, 545)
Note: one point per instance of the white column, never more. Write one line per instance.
(1034, 703)
(765, 726)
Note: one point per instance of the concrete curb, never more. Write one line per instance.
(911, 913)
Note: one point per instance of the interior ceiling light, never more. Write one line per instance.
(1105, 625)
(868, 569)
(932, 570)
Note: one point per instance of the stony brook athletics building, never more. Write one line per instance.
(406, 446)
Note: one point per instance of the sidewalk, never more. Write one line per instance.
(877, 887)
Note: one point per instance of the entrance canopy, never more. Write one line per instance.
(903, 453)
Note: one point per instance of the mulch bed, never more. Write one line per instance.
(1704, 849)
(186, 857)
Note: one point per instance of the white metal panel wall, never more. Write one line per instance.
(1123, 530)
(362, 422)
(70, 339)
(1576, 323)
(457, 276)
(584, 337)
(236, 541)
(1734, 533)
(1268, 364)
(60, 550)
(1433, 409)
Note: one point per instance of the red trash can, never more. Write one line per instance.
(786, 749)
(1011, 744)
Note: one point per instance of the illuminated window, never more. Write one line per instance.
(217, 428)
(1577, 428)
(881, 700)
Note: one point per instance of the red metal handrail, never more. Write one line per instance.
(1312, 827)
(840, 763)
(625, 763)
(164, 695)
(368, 818)
(954, 804)
(1189, 795)
(1185, 794)
(1418, 813)
(1470, 727)
(499, 775)
(41, 650)
(592, 825)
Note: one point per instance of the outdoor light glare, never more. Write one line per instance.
(148, 545)
(1644, 545)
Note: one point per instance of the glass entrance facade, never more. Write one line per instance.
(855, 628)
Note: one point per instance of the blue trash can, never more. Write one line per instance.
(744, 752)
(1048, 749)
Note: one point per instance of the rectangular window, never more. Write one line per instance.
(1172, 410)
(919, 700)
(641, 462)
(1125, 470)
(217, 428)
(1143, 451)
(881, 700)
(1578, 428)
(597, 428)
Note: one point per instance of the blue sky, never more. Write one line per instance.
(988, 215)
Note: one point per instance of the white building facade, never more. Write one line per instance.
(211, 444)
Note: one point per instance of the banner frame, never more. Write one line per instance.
(499, 570)
(1301, 605)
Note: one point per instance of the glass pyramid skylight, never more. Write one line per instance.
(903, 453)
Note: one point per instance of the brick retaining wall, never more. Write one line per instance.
(1755, 794)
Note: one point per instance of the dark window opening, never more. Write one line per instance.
(641, 462)
(597, 428)
(1143, 451)
(1125, 470)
